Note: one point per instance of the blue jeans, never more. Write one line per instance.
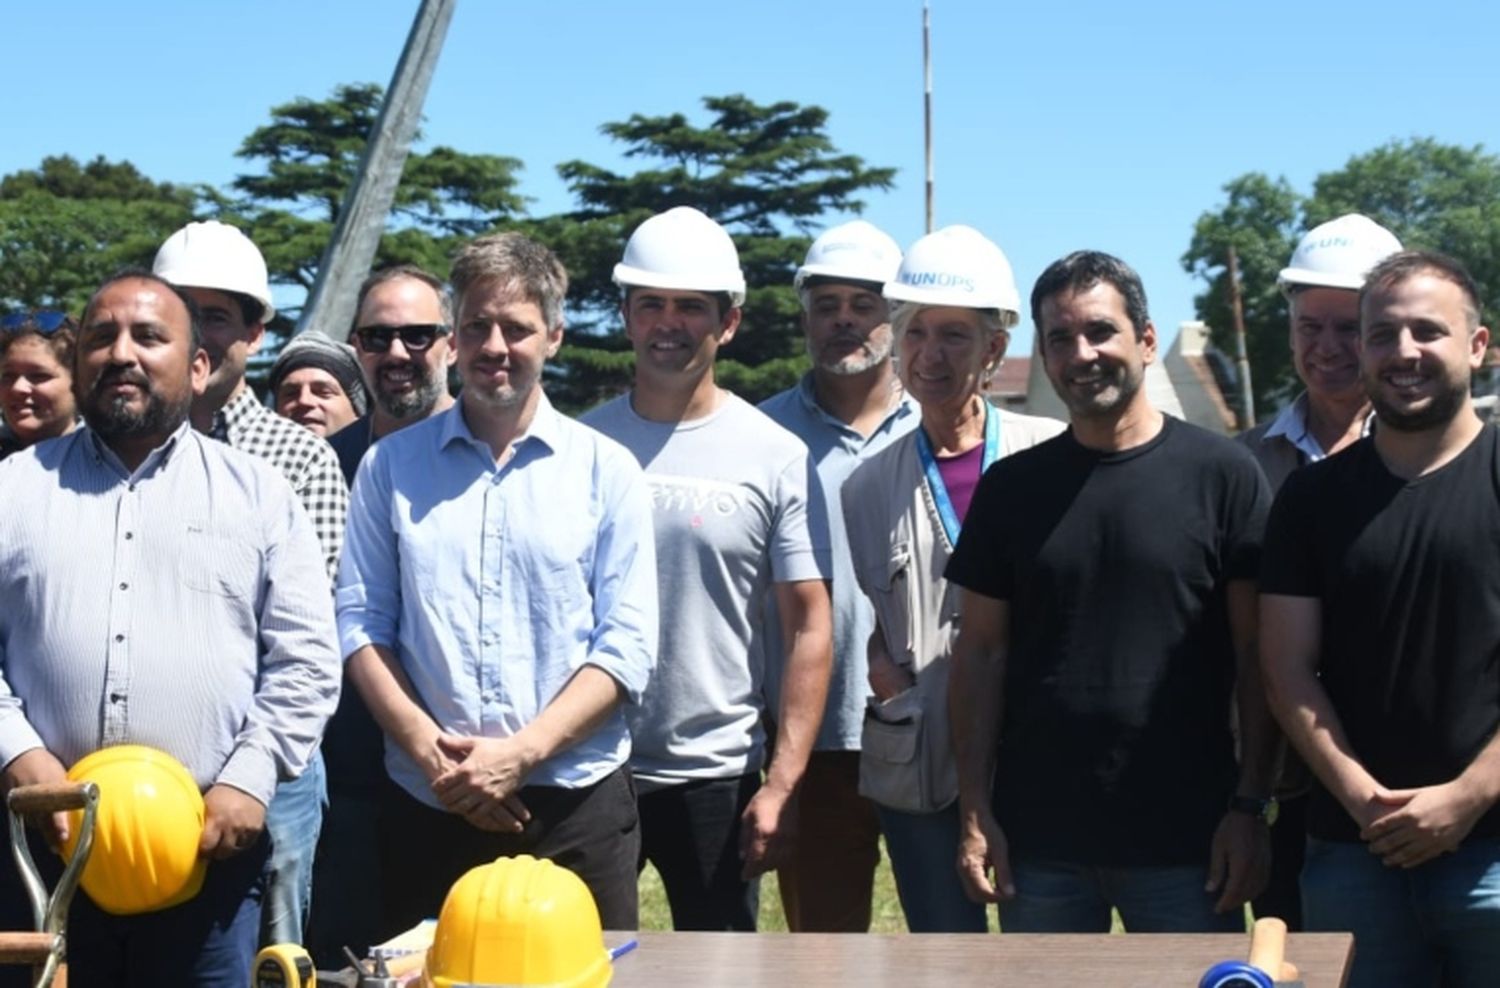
(924, 860)
(1435, 924)
(208, 941)
(1059, 897)
(293, 820)
(348, 875)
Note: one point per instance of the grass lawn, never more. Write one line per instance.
(885, 913)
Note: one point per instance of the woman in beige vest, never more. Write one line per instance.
(955, 301)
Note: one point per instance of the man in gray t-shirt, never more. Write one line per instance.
(739, 520)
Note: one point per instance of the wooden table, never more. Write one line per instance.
(1011, 960)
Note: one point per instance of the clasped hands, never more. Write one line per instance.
(1409, 827)
(479, 778)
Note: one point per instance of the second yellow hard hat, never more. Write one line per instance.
(519, 921)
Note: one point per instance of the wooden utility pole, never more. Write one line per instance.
(356, 235)
(1237, 311)
(927, 101)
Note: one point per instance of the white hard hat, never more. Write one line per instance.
(682, 250)
(1338, 254)
(956, 265)
(218, 256)
(855, 251)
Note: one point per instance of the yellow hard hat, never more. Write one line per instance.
(518, 921)
(145, 854)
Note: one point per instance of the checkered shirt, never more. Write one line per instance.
(305, 459)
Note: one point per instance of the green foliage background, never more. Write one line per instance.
(768, 173)
(1431, 195)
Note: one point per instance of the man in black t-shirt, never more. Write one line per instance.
(1381, 647)
(1321, 285)
(1108, 619)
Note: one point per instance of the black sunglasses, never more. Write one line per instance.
(44, 321)
(416, 337)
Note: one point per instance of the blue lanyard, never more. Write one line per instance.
(935, 484)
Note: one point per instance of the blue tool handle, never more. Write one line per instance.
(1235, 974)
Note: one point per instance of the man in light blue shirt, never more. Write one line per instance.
(497, 608)
(848, 407)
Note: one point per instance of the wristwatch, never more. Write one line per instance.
(1264, 810)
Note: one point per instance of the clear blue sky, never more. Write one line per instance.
(1057, 126)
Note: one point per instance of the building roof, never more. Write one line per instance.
(1010, 380)
(1182, 382)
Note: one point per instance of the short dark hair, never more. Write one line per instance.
(804, 290)
(1082, 270)
(60, 341)
(721, 299)
(395, 271)
(195, 315)
(251, 310)
(1410, 263)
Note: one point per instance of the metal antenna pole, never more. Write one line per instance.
(927, 101)
(1237, 310)
(356, 235)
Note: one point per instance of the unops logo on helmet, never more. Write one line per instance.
(936, 279)
(1337, 254)
(956, 265)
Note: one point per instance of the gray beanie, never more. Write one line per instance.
(313, 349)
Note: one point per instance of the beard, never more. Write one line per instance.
(113, 418)
(869, 354)
(416, 403)
(1440, 410)
(513, 393)
(1120, 388)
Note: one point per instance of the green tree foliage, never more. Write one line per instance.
(766, 172)
(1429, 194)
(1261, 219)
(309, 154)
(594, 364)
(66, 226)
(769, 173)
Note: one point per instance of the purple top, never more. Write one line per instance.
(961, 475)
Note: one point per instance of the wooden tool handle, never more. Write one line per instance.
(1268, 945)
(26, 948)
(48, 797)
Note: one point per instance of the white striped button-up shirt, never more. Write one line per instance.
(182, 606)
